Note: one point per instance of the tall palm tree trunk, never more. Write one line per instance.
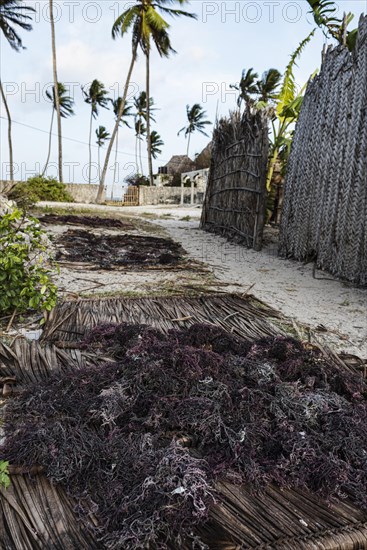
(117, 124)
(141, 160)
(49, 142)
(139, 141)
(136, 154)
(90, 147)
(11, 160)
(188, 145)
(99, 162)
(149, 137)
(115, 165)
(56, 88)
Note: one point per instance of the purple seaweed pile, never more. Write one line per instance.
(141, 439)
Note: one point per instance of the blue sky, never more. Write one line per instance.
(228, 36)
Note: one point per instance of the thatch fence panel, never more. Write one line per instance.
(234, 205)
(325, 198)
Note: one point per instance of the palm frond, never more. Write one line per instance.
(288, 90)
(178, 13)
(102, 136)
(96, 96)
(324, 14)
(65, 101)
(13, 12)
(125, 21)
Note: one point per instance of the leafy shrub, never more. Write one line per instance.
(137, 179)
(39, 188)
(25, 265)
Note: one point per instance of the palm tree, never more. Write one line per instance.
(102, 137)
(56, 88)
(140, 132)
(140, 129)
(13, 12)
(156, 29)
(141, 116)
(126, 113)
(157, 143)
(66, 109)
(146, 24)
(247, 86)
(196, 122)
(255, 91)
(95, 96)
(268, 85)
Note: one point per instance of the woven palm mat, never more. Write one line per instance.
(36, 515)
(247, 317)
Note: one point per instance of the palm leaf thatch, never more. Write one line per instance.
(234, 205)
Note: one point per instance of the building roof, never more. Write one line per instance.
(180, 164)
(203, 159)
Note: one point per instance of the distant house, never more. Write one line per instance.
(173, 169)
(179, 164)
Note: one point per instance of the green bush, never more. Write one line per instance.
(39, 188)
(137, 179)
(25, 265)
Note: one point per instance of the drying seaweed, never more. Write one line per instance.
(141, 439)
(87, 221)
(108, 251)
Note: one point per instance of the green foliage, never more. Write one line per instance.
(287, 108)
(156, 144)
(102, 136)
(196, 120)
(116, 104)
(324, 13)
(25, 273)
(256, 91)
(4, 474)
(66, 102)
(14, 12)
(40, 188)
(137, 179)
(147, 24)
(288, 92)
(96, 96)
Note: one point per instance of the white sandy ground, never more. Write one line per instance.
(288, 286)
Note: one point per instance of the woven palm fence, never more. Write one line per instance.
(234, 205)
(325, 203)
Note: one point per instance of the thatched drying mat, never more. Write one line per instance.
(282, 520)
(245, 316)
(118, 250)
(36, 515)
(31, 362)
